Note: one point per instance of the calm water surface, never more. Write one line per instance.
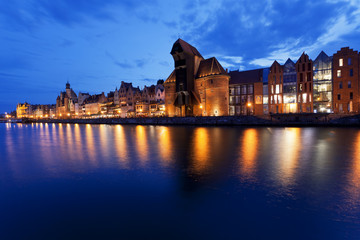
(155, 182)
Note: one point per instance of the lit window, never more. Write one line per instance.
(341, 62)
(309, 98)
(272, 89)
(338, 73)
(304, 96)
(277, 90)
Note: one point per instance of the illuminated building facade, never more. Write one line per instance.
(304, 70)
(197, 86)
(66, 103)
(346, 81)
(322, 81)
(289, 87)
(275, 85)
(246, 92)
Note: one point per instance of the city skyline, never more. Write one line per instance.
(96, 45)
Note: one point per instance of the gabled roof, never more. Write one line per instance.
(171, 78)
(186, 47)
(210, 66)
(251, 76)
(303, 56)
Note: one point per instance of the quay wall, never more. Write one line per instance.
(272, 120)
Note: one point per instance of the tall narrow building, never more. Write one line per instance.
(289, 87)
(304, 84)
(197, 86)
(275, 86)
(322, 81)
(346, 81)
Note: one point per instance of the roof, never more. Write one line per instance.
(93, 98)
(251, 76)
(171, 78)
(210, 66)
(186, 47)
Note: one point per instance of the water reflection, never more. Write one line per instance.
(288, 155)
(354, 176)
(249, 149)
(201, 149)
(121, 146)
(165, 145)
(142, 144)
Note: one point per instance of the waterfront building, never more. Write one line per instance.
(23, 110)
(275, 88)
(265, 92)
(65, 103)
(93, 104)
(197, 86)
(26, 110)
(289, 87)
(304, 81)
(346, 81)
(322, 80)
(246, 92)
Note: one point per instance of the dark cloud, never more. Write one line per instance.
(19, 15)
(250, 29)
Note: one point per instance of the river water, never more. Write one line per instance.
(62, 181)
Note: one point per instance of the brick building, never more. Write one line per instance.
(304, 69)
(275, 85)
(346, 81)
(197, 86)
(246, 92)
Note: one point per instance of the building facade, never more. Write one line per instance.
(197, 86)
(304, 81)
(346, 81)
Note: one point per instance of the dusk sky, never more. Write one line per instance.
(96, 44)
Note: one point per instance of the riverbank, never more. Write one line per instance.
(270, 120)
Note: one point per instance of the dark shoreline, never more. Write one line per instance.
(276, 120)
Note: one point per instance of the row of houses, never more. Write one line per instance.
(328, 84)
(127, 101)
(26, 110)
(201, 87)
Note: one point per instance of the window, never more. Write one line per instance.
(300, 87)
(340, 85)
(272, 89)
(339, 97)
(341, 62)
(303, 67)
(301, 77)
(309, 98)
(277, 90)
(349, 61)
(340, 107)
(309, 66)
(338, 73)
(304, 97)
(351, 72)
(349, 84)
(351, 95)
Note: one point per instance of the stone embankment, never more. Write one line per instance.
(270, 120)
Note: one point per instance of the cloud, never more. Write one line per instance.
(117, 62)
(346, 22)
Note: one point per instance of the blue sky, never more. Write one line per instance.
(96, 44)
